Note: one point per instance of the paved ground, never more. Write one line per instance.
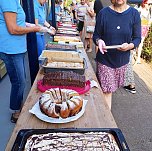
(6, 126)
(133, 112)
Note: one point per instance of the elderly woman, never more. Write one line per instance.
(118, 24)
(13, 48)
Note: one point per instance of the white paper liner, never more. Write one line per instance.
(37, 112)
(94, 84)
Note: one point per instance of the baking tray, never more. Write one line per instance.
(24, 134)
(67, 29)
(62, 47)
(67, 38)
(66, 34)
(51, 69)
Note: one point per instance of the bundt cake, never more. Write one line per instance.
(60, 103)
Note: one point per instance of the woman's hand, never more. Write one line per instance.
(50, 30)
(126, 47)
(101, 45)
(53, 30)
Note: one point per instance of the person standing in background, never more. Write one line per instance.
(40, 19)
(118, 24)
(129, 82)
(57, 12)
(13, 49)
(89, 22)
(80, 15)
(73, 10)
(97, 6)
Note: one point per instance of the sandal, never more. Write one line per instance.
(14, 117)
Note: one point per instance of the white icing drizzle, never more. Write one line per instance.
(71, 104)
(51, 108)
(90, 141)
(44, 98)
(64, 106)
(52, 98)
(75, 101)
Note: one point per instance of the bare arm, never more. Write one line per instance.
(13, 28)
(36, 22)
(91, 13)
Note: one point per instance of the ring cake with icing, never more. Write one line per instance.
(62, 103)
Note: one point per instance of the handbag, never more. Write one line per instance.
(90, 29)
(135, 1)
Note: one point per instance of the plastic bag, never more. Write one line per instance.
(90, 29)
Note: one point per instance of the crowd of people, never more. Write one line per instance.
(117, 24)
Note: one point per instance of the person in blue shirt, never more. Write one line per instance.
(57, 11)
(40, 19)
(13, 32)
(118, 24)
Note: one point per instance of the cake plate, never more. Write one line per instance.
(83, 90)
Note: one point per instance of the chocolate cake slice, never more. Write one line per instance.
(64, 78)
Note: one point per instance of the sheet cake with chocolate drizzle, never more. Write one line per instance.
(90, 141)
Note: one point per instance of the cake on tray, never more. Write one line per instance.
(63, 59)
(90, 141)
(64, 78)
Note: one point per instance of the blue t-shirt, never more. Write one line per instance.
(40, 13)
(57, 10)
(115, 29)
(11, 44)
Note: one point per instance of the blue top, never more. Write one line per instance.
(115, 29)
(57, 10)
(12, 44)
(40, 13)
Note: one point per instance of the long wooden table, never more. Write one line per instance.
(97, 113)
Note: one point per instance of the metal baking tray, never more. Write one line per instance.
(67, 34)
(67, 29)
(24, 134)
(51, 69)
(67, 38)
(63, 47)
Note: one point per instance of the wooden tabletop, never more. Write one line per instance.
(97, 113)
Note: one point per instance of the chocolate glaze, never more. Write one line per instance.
(64, 78)
(72, 142)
